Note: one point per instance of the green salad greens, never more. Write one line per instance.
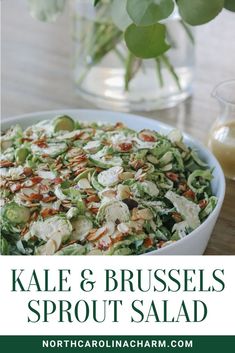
(75, 188)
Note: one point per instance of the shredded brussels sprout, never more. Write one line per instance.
(74, 188)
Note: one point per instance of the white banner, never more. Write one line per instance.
(135, 295)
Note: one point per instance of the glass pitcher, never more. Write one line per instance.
(222, 135)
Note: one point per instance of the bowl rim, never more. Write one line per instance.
(221, 190)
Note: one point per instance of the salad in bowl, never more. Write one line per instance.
(70, 187)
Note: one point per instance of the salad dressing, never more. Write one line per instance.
(221, 139)
(222, 144)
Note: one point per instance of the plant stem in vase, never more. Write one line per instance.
(110, 76)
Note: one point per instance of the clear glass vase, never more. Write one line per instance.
(107, 74)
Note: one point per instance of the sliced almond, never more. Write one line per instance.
(111, 228)
(73, 152)
(84, 136)
(57, 240)
(84, 184)
(126, 175)
(50, 247)
(136, 164)
(94, 210)
(66, 204)
(31, 205)
(93, 205)
(137, 225)
(111, 194)
(167, 167)
(123, 192)
(29, 191)
(134, 215)
(104, 243)
(15, 187)
(124, 146)
(118, 125)
(44, 188)
(6, 164)
(108, 156)
(144, 214)
(138, 173)
(117, 236)
(123, 228)
(147, 136)
(49, 199)
(93, 198)
(90, 192)
(94, 236)
(152, 159)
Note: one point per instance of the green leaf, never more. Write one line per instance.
(198, 12)
(148, 12)
(230, 5)
(96, 2)
(119, 14)
(146, 42)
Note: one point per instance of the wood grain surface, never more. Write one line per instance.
(37, 75)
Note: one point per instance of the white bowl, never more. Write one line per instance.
(195, 243)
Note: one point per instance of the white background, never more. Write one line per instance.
(14, 305)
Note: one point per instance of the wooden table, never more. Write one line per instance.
(37, 75)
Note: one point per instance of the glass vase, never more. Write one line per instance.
(108, 75)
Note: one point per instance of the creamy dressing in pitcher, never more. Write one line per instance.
(222, 144)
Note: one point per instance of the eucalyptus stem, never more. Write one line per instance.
(131, 68)
(83, 75)
(107, 39)
(101, 40)
(188, 31)
(128, 71)
(159, 72)
(171, 69)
